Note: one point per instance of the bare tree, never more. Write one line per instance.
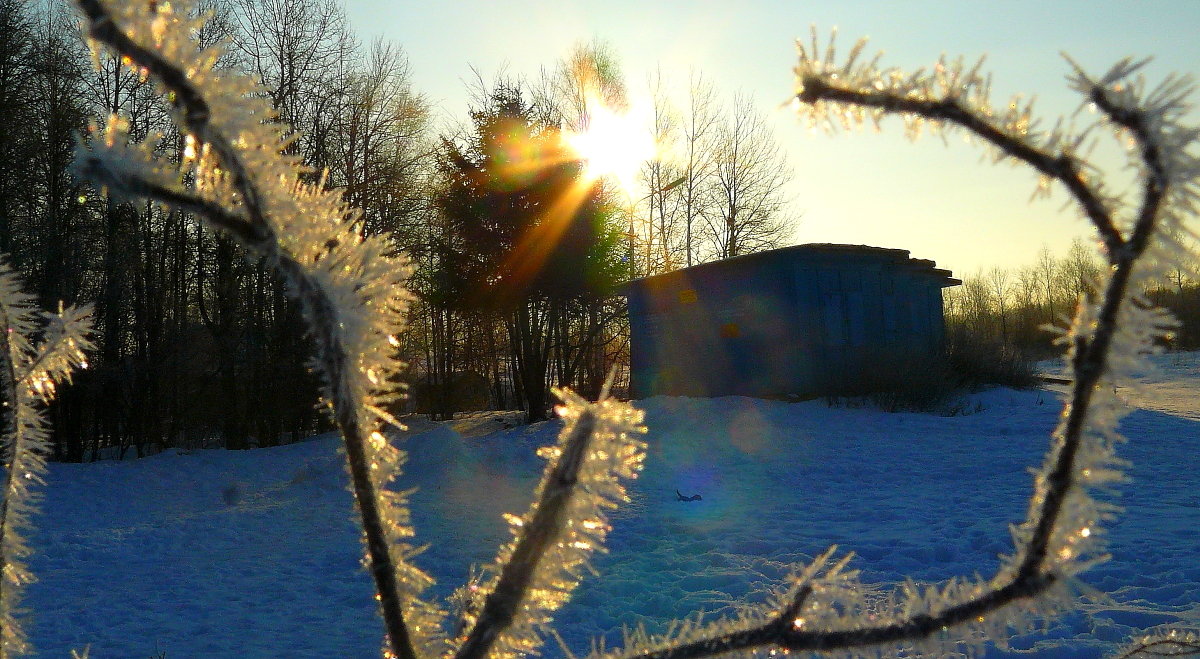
(998, 280)
(1026, 291)
(589, 74)
(1079, 270)
(17, 32)
(975, 303)
(751, 175)
(661, 177)
(382, 149)
(680, 183)
(1047, 270)
(300, 50)
(699, 126)
(60, 112)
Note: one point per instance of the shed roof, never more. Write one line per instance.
(899, 257)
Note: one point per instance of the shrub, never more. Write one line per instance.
(973, 362)
(937, 383)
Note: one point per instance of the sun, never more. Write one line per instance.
(614, 145)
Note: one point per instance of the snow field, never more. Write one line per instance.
(255, 554)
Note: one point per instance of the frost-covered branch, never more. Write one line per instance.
(549, 517)
(29, 376)
(351, 290)
(349, 287)
(1063, 167)
(597, 451)
(103, 172)
(1061, 534)
(1174, 643)
(195, 112)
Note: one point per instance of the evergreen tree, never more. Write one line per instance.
(528, 238)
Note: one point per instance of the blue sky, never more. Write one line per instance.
(942, 202)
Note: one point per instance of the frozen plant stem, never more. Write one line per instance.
(256, 234)
(500, 607)
(29, 374)
(1061, 167)
(1090, 355)
(865, 92)
(1168, 644)
(597, 452)
(8, 428)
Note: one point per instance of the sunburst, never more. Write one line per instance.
(614, 145)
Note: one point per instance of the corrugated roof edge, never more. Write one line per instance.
(895, 254)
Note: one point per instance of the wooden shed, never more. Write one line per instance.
(806, 320)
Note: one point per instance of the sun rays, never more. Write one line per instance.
(611, 149)
(615, 144)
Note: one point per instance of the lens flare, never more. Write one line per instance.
(613, 145)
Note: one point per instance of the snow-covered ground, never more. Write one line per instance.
(255, 554)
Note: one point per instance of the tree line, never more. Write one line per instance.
(199, 345)
(1013, 307)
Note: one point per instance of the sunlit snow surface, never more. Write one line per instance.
(254, 554)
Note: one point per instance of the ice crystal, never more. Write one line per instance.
(31, 374)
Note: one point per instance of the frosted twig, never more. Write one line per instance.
(256, 233)
(500, 607)
(1173, 643)
(1062, 167)
(28, 376)
(11, 641)
(104, 173)
(597, 450)
(1049, 527)
(1155, 186)
(8, 388)
(191, 103)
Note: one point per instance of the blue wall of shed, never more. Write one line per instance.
(706, 333)
(785, 322)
